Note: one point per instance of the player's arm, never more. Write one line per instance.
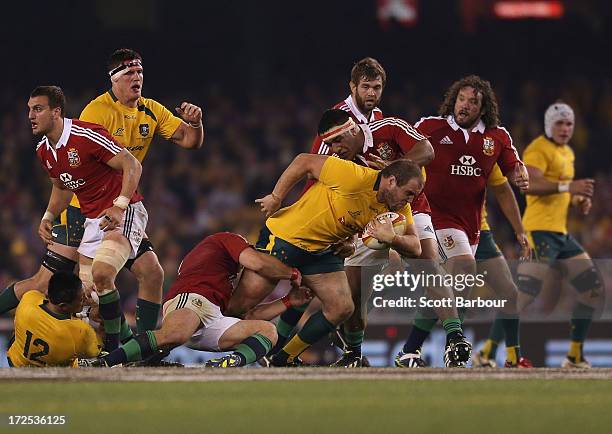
(507, 202)
(301, 166)
(268, 266)
(407, 245)
(421, 153)
(268, 311)
(511, 165)
(124, 162)
(190, 132)
(540, 186)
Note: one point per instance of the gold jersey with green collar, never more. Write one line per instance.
(133, 127)
(46, 338)
(549, 212)
(338, 206)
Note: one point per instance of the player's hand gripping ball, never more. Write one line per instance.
(398, 222)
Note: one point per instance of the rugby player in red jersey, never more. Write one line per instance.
(194, 307)
(468, 141)
(376, 145)
(83, 159)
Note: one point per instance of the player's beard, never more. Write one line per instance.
(361, 104)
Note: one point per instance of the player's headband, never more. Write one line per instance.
(124, 68)
(337, 130)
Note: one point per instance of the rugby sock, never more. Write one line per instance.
(496, 334)
(510, 323)
(147, 314)
(582, 316)
(420, 331)
(253, 348)
(315, 328)
(285, 325)
(110, 311)
(125, 334)
(8, 299)
(452, 326)
(353, 340)
(143, 345)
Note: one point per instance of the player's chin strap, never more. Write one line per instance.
(337, 130)
(116, 73)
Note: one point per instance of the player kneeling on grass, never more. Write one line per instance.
(192, 312)
(47, 332)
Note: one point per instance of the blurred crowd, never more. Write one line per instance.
(249, 141)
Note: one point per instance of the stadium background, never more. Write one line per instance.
(263, 72)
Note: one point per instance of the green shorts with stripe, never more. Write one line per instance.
(307, 262)
(487, 249)
(551, 246)
(68, 227)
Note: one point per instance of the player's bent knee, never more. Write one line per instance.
(587, 281)
(268, 330)
(529, 285)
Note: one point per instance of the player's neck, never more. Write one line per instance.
(124, 99)
(56, 132)
(56, 309)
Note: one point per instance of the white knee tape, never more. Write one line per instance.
(112, 253)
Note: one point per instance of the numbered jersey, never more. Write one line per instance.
(45, 338)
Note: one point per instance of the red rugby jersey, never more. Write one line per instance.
(210, 269)
(79, 159)
(457, 178)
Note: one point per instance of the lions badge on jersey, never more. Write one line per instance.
(488, 146)
(385, 151)
(448, 242)
(143, 129)
(73, 158)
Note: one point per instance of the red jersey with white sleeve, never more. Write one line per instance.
(349, 106)
(210, 269)
(457, 177)
(390, 139)
(79, 160)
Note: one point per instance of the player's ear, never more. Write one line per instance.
(352, 86)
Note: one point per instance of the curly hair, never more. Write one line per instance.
(489, 111)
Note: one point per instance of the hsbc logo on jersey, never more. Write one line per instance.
(466, 168)
(71, 184)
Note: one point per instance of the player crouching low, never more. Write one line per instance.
(192, 312)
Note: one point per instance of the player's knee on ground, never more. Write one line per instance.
(170, 337)
(268, 329)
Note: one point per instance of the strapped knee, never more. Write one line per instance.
(529, 285)
(112, 253)
(587, 280)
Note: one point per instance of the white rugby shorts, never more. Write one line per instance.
(133, 227)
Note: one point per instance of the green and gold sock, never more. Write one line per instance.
(110, 311)
(253, 348)
(142, 346)
(315, 328)
(354, 339)
(147, 314)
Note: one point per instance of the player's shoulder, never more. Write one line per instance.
(151, 107)
(431, 123)
(540, 143)
(227, 237)
(499, 132)
(342, 105)
(32, 297)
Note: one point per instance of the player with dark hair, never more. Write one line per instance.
(552, 189)
(468, 142)
(346, 198)
(83, 159)
(132, 121)
(47, 332)
(195, 305)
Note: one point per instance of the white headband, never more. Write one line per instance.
(557, 112)
(124, 68)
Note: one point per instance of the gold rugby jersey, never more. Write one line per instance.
(45, 338)
(549, 212)
(495, 178)
(339, 205)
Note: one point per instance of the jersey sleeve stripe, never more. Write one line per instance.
(114, 149)
(98, 136)
(511, 142)
(408, 129)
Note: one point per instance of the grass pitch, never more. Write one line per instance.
(393, 405)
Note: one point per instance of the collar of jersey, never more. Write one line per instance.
(124, 107)
(356, 112)
(63, 140)
(44, 307)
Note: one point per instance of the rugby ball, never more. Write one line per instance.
(399, 226)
